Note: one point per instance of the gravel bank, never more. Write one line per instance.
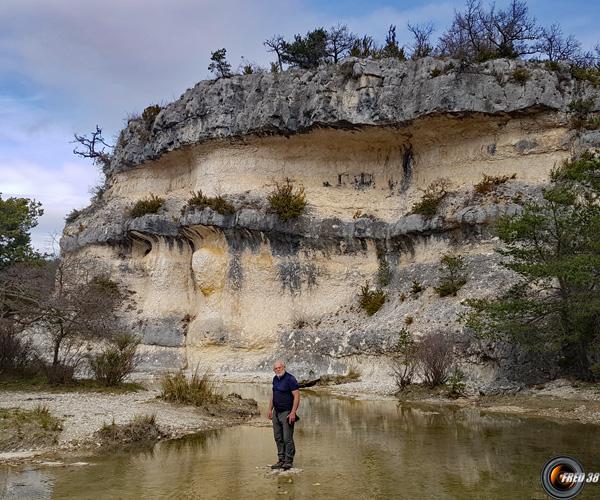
(83, 414)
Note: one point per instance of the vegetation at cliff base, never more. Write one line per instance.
(553, 246)
(199, 390)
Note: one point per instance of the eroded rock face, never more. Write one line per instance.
(364, 138)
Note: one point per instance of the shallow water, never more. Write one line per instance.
(345, 448)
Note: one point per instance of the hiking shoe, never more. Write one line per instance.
(287, 466)
(278, 465)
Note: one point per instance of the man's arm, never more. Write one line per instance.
(270, 414)
(292, 415)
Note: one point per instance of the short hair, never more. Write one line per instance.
(278, 361)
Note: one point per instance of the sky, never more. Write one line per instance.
(69, 65)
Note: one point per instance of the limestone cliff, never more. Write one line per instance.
(364, 138)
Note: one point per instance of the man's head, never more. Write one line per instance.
(279, 368)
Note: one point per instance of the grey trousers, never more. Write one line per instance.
(284, 436)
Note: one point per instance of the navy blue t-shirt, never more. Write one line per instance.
(283, 399)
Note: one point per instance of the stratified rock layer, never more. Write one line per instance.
(364, 139)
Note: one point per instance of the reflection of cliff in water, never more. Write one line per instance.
(353, 449)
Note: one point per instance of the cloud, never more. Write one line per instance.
(108, 59)
(59, 189)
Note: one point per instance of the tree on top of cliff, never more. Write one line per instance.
(421, 46)
(219, 64)
(339, 42)
(391, 47)
(477, 34)
(17, 217)
(306, 51)
(554, 247)
(93, 147)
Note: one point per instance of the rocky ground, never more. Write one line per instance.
(83, 414)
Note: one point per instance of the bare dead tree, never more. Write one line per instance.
(66, 302)
(556, 47)
(339, 42)
(276, 44)
(478, 34)
(93, 147)
(421, 46)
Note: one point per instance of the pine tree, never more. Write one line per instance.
(554, 247)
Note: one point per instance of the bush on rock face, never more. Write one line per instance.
(371, 300)
(453, 278)
(216, 203)
(431, 199)
(150, 205)
(287, 203)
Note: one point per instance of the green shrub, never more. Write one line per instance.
(552, 65)
(432, 197)
(287, 203)
(583, 170)
(456, 384)
(143, 428)
(383, 272)
(371, 300)
(216, 203)
(521, 75)
(489, 182)
(452, 279)
(416, 287)
(150, 205)
(580, 110)
(404, 359)
(198, 391)
(590, 74)
(435, 72)
(408, 320)
(582, 106)
(116, 361)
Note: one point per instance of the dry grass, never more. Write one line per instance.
(143, 428)
(352, 375)
(432, 198)
(28, 428)
(150, 205)
(490, 182)
(199, 390)
(216, 203)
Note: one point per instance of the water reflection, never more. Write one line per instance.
(347, 449)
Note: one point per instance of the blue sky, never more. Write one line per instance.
(67, 65)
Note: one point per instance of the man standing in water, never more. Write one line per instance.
(282, 412)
